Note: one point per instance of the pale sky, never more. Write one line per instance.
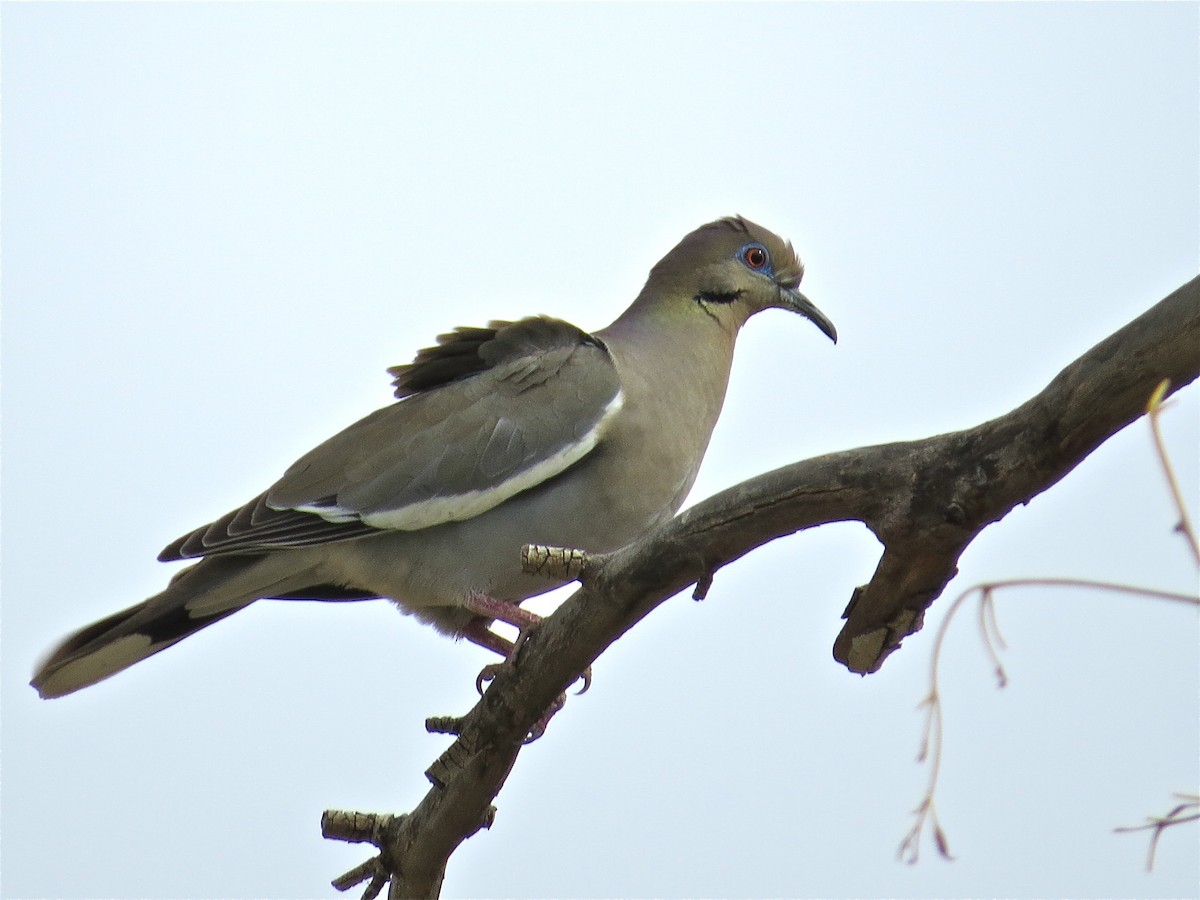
(221, 224)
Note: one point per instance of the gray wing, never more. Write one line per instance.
(486, 414)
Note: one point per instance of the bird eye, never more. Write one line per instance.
(754, 256)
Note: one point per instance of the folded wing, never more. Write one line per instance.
(484, 415)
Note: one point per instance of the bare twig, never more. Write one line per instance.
(553, 562)
(1153, 411)
(932, 738)
(1187, 811)
(932, 735)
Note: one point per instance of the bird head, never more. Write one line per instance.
(731, 269)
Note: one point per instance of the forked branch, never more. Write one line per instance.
(925, 500)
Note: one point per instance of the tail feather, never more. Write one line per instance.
(115, 643)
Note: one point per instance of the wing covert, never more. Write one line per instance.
(485, 415)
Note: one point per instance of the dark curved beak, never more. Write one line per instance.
(792, 299)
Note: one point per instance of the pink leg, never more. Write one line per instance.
(487, 610)
(478, 633)
(505, 611)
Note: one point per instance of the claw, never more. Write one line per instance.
(488, 672)
(539, 727)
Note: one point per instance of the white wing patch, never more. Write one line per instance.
(459, 507)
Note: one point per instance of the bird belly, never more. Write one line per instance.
(432, 571)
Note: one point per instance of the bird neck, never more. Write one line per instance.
(675, 358)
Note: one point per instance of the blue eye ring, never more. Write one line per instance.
(755, 257)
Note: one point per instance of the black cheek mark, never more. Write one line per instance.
(718, 296)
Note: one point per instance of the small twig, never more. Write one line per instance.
(354, 827)
(932, 736)
(375, 888)
(1089, 584)
(360, 828)
(444, 725)
(1184, 526)
(553, 562)
(931, 751)
(371, 869)
(989, 630)
(1159, 824)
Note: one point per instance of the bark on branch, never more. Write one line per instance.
(925, 500)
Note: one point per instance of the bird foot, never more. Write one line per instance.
(488, 609)
(478, 633)
(489, 672)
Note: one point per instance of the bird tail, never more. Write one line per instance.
(197, 597)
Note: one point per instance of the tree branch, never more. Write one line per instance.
(925, 500)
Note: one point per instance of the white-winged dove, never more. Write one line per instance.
(528, 432)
